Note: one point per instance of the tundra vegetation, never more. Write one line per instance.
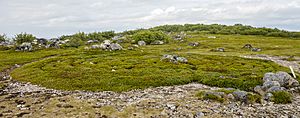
(75, 66)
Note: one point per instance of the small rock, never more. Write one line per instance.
(194, 44)
(240, 95)
(268, 96)
(157, 42)
(199, 115)
(171, 107)
(141, 43)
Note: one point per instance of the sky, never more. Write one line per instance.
(53, 18)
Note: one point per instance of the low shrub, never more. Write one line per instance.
(24, 37)
(150, 36)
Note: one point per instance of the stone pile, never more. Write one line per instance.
(273, 82)
(174, 59)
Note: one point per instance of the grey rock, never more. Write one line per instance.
(174, 58)
(182, 59)
(199, 115)
(221, 50)
(275, 88)
(269, 84)
(115, 46)
(269, 77)
(157, 42)
(194, 44)
(283, 78)
(240, 95)
(141, 43)
(171, 107)
(255, 49)
(268, 96)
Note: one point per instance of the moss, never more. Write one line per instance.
(207, 96)
(254, 98)
(226, 91)
(282, 97)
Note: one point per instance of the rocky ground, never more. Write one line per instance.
(27, 100)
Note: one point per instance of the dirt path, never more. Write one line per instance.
(281, 60)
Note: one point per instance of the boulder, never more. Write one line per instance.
(182, 59)
(269, 77)
(115, 46)
(283, 78)
(141, 43)
(269, 84)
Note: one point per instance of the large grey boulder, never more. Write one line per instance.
(284, 79)
(269, 84)
(115, 46)
(141, 43)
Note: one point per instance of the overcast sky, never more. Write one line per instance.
(52, 18)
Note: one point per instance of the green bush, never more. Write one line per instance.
(24, 37)
(282, 97)
(74, 42)
(150, 36)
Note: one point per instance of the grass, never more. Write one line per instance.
(97, 70)
(10, 57)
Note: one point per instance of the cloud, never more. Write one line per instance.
(56, 17)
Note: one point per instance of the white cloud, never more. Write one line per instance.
(55, 17)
